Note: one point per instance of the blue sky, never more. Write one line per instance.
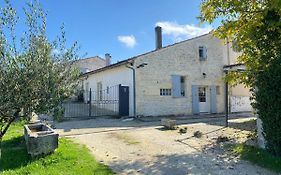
(123, 28)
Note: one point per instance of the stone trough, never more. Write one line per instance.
(40, 139)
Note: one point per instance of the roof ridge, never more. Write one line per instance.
(91, 58)
(135, 57)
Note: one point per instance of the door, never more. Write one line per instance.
(203, 99)
(123, 100)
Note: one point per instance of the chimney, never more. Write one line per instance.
(158, 37)
(107, 59)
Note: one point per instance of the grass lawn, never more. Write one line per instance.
(70, 158)
(258, 156)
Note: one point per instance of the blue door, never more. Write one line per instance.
(123, 100)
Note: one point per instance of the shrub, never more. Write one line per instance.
(268, 103)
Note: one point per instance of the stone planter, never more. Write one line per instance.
(40, 139)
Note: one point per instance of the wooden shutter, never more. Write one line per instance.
(213, 99)
(195, 99)
(176, 86)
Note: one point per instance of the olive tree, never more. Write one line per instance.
(36, 74)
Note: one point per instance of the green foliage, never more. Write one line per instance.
(268, 101)
(36, 74)
(258, 156)
(255, 26)
(69, 158)
(58, 113)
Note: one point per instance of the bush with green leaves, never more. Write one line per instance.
(268, 103)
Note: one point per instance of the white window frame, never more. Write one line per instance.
(203, 50)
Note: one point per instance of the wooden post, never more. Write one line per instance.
(226, 102)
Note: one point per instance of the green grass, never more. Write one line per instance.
(69, 159)
(258, 156)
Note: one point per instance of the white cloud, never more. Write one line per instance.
(181, 32)
(129, 40)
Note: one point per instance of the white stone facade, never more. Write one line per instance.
(181, 59)
(110, 79)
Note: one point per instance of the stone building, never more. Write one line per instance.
(91, 63)
(182, 78)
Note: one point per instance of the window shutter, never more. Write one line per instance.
(213, 99)
(204, 52)
(195, 99)
(176, 86)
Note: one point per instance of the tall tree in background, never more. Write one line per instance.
(255, 26)
(35, 74)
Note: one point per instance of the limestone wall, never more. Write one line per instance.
(179, 59)
(90, 64)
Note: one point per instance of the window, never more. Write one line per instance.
(87, 92)
(182, 86)
(202, 53)
(202, 94)
(178, 86)
(165, 92)
(99, 90)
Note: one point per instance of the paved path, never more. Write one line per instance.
(135, 147)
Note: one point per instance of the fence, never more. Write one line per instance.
(96, 103)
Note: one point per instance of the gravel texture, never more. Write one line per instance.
(137, 147)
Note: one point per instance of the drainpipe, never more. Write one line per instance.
(134, 86)
(133, 67)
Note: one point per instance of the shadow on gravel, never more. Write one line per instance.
(101, 122)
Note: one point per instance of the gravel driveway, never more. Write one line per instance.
(135, 147)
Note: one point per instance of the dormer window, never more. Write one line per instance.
(202, 53)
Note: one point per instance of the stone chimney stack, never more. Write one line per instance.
(158, 37)
(107, 59)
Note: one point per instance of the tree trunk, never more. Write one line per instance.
(2, 133)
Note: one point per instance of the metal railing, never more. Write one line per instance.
(94, 103)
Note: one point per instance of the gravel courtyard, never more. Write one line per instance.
(136, 147)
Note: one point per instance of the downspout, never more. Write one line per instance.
(134, 86)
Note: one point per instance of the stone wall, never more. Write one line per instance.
(90, 64)
(179, 59)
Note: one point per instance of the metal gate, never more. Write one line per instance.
(112, 101)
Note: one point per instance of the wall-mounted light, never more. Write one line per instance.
(204, 75)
